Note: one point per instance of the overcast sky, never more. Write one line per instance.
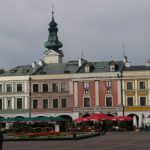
(99, 28)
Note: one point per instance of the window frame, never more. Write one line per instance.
(106, 101)
(142, 86)
(1, 88)
(35, 87)
(63, 102)
(47, 105)
(19, 87)
(56, 88)
(63, 86)
(140, 101)
(19, 104)
(86, 104)
(55, 103)
(35, 104)
(130, 104)
(10, 88)
(45, 87)
(129, 85)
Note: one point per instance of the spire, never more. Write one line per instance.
(53, 42)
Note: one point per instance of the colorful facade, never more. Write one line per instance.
(136, 92)
(72, 89)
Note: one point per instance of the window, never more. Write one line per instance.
(1, 104)
(130, 101)
(63, 87)
(112, 67)
(108, 84)
(45, 103)
(63, 103)
(108, 101)
(87, 69)
(55, 103)
(8, 103)
(35, 87)
(9, 88)
(55, 87)
(19, 103)
(35, 104)
(86, 92)
(45, 87)
(86, 102)
(86, 85)
(1, 88)
(141, 85)
(108, 91)
(142, 101)
(19, 87)
(129, 85)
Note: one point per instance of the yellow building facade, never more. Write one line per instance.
(136, 93)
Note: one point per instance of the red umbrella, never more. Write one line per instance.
(98, 117)
(122, 118)
(81, 119)
(93, 118)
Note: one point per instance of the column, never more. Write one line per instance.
(25, 103)
(119, 91)
(13, 102)
(148, 98)
(123, 93)
(70, 87)
(75, 94)
(97, 93)
(136, 94)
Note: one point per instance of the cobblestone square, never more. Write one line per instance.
(112, 141)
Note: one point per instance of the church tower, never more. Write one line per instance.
(53, 54)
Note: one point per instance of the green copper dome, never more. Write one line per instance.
(53, 42)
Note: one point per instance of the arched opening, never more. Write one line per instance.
(64, 125)
(67, 117)
(135, 120)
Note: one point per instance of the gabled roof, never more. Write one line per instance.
(62, 68)
(103, 66)
(19, 71)
(58, 68)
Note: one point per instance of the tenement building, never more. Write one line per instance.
(75, 88)
(136, 92)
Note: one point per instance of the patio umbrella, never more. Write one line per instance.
(59, 118)
(99, 117)
(41, 119)
(81, 119)
(121, 118)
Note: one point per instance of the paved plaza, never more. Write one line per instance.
(112, 141)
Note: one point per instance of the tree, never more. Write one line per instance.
(2, 71)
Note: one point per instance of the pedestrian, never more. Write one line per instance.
(1, 139)
(104, 127)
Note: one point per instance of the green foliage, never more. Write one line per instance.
(2, 71)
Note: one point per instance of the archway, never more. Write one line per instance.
(135, 120)
(64, 125)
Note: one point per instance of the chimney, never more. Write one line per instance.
(147, 63)
(81, 61)
(41, 63)
(125, 61)
(34, 64)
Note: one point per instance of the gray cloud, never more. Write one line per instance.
(98, 27)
